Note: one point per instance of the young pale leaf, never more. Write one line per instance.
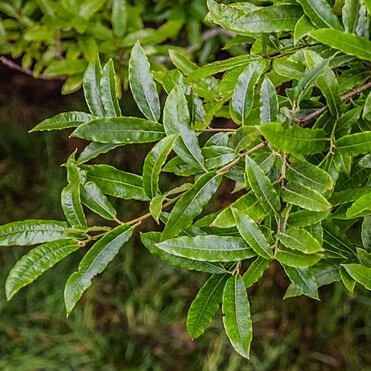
(91, 85)
(155, 207)
(119, 17)
(31, 232)
(320, 13)
(307, 198)
(237, 320)
(95, 200)
(153, 163)
(120, 130)
(261, 20)
(361, 207)
(302, 28)
(255, 271)
(310, 175)
(300, 239)
(208, 248)
(243, 96)
(37, 261)
(108, 91)
(116, 183)
(269, 108)
(93, 263)
(190, 204)
(205, 305)
(142, 84)
(262, 186)
(303, 280)
(63, 121)
(346, 42)
(366, 233)
(294, 258)
(359, 273)
(150, 239)
(71, 205)
(354, 144)
(252, 234)
(94, 149)
(177, 121)
(295, 139)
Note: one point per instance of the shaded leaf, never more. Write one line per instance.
(255, 271)
(63, 121)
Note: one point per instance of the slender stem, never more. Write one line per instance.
(216, 130)
(307, 119)
(91, 238)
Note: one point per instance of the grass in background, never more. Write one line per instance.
(133, 316)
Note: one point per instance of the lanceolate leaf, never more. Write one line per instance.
(243, 96)
(303, 281)
(142, 84)
(355, 144)
(205, 305)
(295, 139)
(191, 204)
(91, 85)
(361, 207)
(262, 186)
(350, 14)
(269, 108)
(116, 183)
(255, 271)
(299, 239)
(93, 263)
(366, 233)
(120, 130)
(119, 17)
(359, 273)
(237, 319)
(346, 42)
(108, 91)
(153, 163)
(71, 205)
(252, 234)
(94, 149)
(294, 258)
(208, 248)
(304, 218)
(63, 121)
(36, 262)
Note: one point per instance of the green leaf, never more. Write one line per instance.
(150, 239)
(108, 91)
(63, 121)
(31, 232)
(307, 198)
(294, 258)
(309, 175)
(191, 204)
(153, 163)
(208, 248)
(299, 239)
(359, 273)
(95, 200)
(120, 130)
(347, 280)
(93, 263)
(348, 43)
(237, 320)
(142, 84)
(302, 28)
(263, 20)
(255, 271)
(366, 233)
(295, 139)
(320, 13)
(155, 206)
(354, 144)
(349, 14)
(37, 261)
(269, 108)
(262, 186)
(205, 305)
(91, 85)
(364, 257)
(119, 17)
(71, 205)
(177, 121)
(361, 207)
(303, 281)
(304, 218)
(252, 234)
(94, 149)
(116, 183)
(243, 95)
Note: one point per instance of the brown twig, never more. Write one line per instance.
(216, 130)
(307, 119)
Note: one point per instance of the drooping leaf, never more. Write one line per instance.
(269, 108)
(347, 280)
(301, 240)
(255, 271)
(93, 263)
(359, 273)
(303, 281)
(108, 91)
(237, 320)
(63, 121)
(142, 84)
(153, 163)
(205, 305)
(120, 130)
(31, 232)
(71, 205)
(37, 261)
(208, 248)
(294, 140)
(190, 204)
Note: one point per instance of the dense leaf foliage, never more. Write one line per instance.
(296, 144)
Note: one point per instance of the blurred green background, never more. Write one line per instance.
(133, 316)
